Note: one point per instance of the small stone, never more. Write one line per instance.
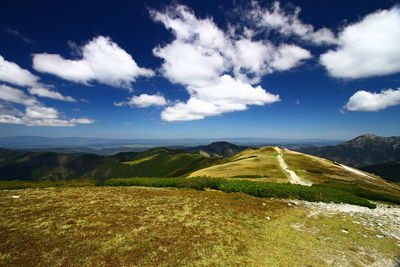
(380, 236)
(267, 218)
(344, 231)
(16, 196)
(289, 204)
(264, 204)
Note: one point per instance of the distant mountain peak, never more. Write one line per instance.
(363, 150)
(217, 149)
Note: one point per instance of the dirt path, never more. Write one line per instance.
(294, 178)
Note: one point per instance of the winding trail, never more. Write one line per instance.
(294, 178)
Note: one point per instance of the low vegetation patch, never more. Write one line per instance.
(257, 189)
(362, 192)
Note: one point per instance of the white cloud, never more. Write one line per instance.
(367, 101)
(14, 74)
(45, 92)
(144, 101)
(17, 96)
(40, 112)
(370, 47)
(36, 114)
(102, 61)
(289, 56)
(227, 95)
(287, 24)
(189, 64)
(11, 119)
(202, 52)
(216, 67)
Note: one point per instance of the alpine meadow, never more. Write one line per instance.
(200, 133)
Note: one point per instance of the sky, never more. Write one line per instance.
(200, 69)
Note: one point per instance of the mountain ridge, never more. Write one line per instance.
(363, 150)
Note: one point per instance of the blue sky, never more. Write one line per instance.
(162, 69)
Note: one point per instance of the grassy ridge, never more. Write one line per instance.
(257, 189)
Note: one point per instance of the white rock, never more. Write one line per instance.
(16, 196)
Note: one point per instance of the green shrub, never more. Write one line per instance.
(355, 189)
(257, 189)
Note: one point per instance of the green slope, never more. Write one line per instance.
(37, 166)
(388, 170)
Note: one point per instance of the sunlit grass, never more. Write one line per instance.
(127, 226)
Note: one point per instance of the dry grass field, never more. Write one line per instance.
(260, 163)
(137, 226)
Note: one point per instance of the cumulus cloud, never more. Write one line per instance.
(227, 95)
(36, 114)
(17, 96)
(218, 68)
(287, 23)
(45, 92)
(14, 74)
(189, 64)
(367, 48)
(144, 101)
(201, 51)
(102, 61)
(368, 101)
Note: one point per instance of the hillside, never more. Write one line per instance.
(274, 164)
(388, 170)
(361, 151)
(36, 166)
(217, 150)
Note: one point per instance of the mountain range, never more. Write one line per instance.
(363, 150)
(164, 162)
(371, 153)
